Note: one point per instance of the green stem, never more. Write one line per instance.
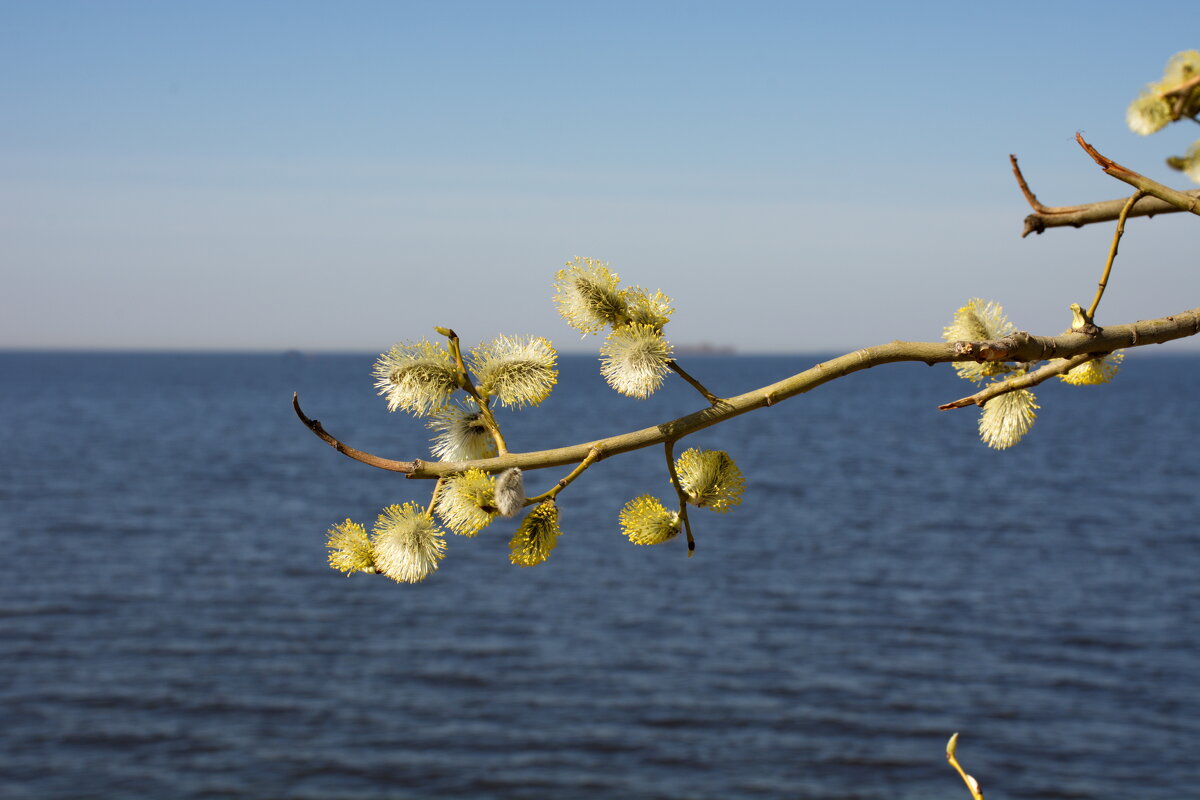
(467, 385)
(972, 784)
(1112, 251)
(437, 488)
(489, 422)
(593, 455)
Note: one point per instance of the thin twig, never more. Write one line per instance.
(1032, 199)
(1103, 211)
(1112, 251)
(1025, 381)
(314, 425)
(699, 387)
(1088, 213)
(972, 784)
(593, 455)
(437, 489)
(467, 385)
(669, 447)
(1181, 200)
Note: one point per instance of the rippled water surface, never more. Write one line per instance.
(169, 628)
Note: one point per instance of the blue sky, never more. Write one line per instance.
(342, 176)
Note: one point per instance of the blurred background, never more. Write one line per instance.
(207, 207)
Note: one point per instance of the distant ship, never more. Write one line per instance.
(704, 349)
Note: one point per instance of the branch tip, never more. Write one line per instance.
(406, 467)
(1025, 190)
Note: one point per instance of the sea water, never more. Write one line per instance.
(169, 627)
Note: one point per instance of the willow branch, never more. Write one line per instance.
(1025, 381)
(1088, 213)
(1112, 251)
(1184, 201)
(1018, 347)
(669, 447)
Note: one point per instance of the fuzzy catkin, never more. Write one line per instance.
(510, 492)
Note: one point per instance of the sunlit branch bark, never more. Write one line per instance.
(1088, 213)
(1184, 201)
(1019, 347)
(1105, 211)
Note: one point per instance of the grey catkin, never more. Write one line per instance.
(510, 492)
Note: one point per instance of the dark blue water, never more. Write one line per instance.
(169, 627)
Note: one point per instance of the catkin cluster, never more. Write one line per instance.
(1176, 96)
(1006, 418)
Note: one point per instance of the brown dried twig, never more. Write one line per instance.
(1184, 201)
(1088, 213)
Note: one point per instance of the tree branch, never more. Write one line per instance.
(1089, 213)
(1019, 346)
(1104, 211)
(1181, 200)
(315, 426)
(1032, 199)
